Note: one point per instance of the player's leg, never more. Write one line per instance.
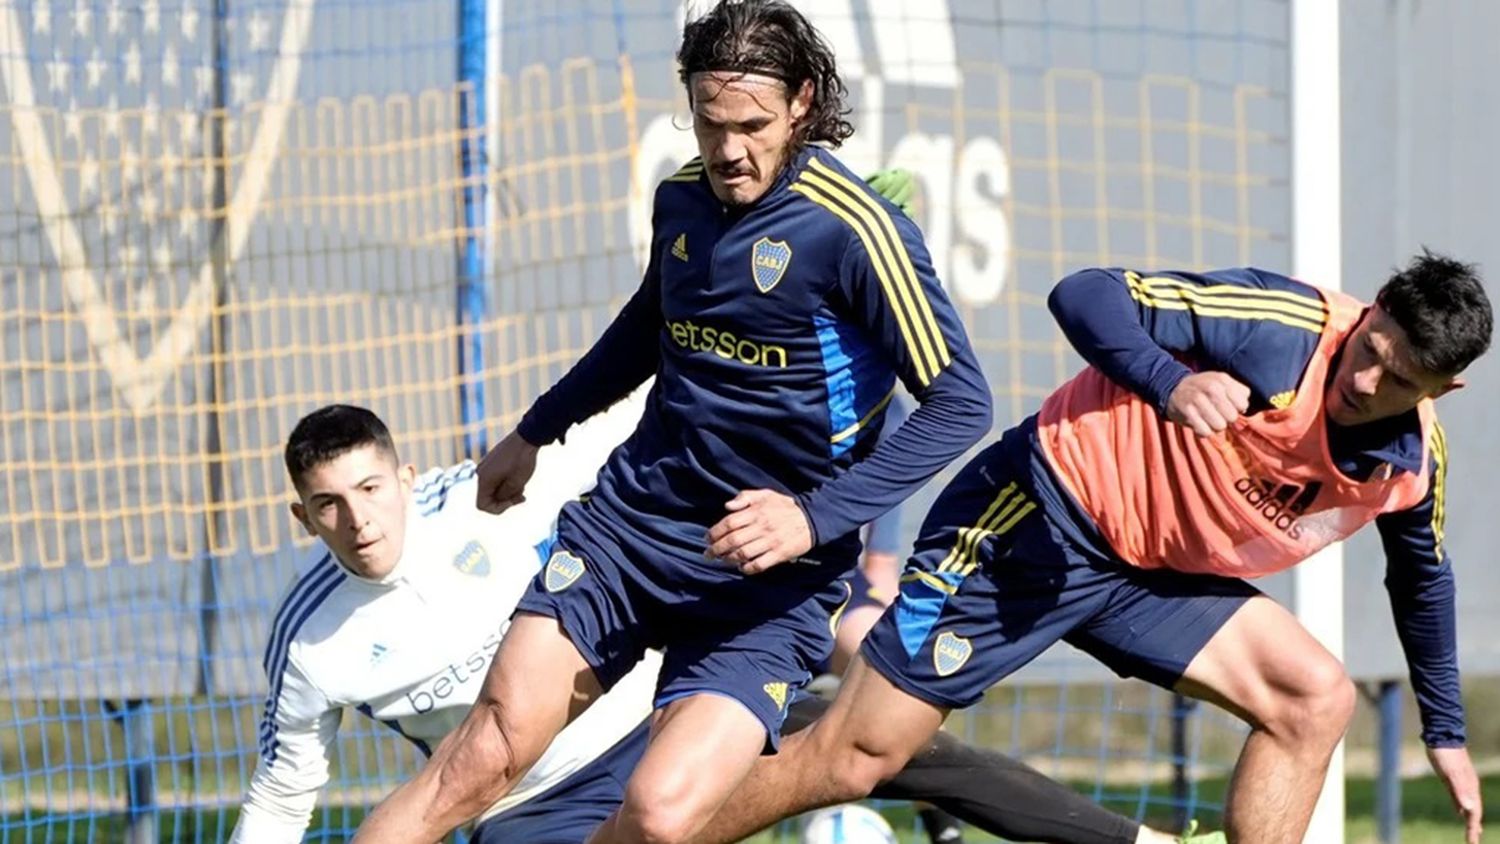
(724, 686)
(570, 810)
(870, 592)
(872, 588)
(1220, 640)
(870, 730)
(537, 683)
(1266, 668)
(994, 792)
(575, 633)
(701, 748)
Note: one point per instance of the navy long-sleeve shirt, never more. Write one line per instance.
(1149, 344)
(776, 333)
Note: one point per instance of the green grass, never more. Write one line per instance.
(1427, 818)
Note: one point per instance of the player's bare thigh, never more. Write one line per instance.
(1260, 663)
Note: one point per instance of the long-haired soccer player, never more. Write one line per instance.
(782, 300)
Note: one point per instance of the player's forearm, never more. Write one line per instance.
(1425, 622)
(1419, 580)
(953, 414)
(625, 356)
(1096, 314)
(417, 811)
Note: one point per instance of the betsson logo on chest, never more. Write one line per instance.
(726, 344)
(436, 691)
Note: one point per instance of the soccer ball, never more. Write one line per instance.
(850, 824)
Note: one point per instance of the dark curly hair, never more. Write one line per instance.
(771, 38)
(1441, 305)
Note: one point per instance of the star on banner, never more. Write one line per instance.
(94, 68)
(41, 16)
(259, 29)
(57, 72)
(81, 15)
(73, 123)
(169, 66)
(189, 22)
(133, 64)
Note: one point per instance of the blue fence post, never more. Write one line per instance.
(1388, 786)
(1182, 802)
(142, 813)
(473, 300)
(473, 305)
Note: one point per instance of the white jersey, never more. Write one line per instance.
(412, 649)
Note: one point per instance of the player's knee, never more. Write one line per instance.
(856, 770)
(491, 751)
(1317, 708)
(661, 825)
(658, 814)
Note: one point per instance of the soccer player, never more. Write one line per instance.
(1229, 425)
(781, 301)
(392, 616)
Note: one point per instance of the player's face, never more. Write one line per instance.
(744, 124)
(356, 503)
(1377, 377)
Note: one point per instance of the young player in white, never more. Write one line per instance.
(398, 610)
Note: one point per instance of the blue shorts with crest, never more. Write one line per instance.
(1005, 566)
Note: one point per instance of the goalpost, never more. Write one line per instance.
(1317, 243)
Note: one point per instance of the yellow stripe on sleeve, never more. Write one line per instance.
(1439, 486)
(907, 272)
(858, 426)
(925, 367)
(1228, 301)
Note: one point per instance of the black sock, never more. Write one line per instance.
(942, 828)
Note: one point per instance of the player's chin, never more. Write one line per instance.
(738, 190)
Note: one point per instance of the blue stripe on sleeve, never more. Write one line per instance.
(306, 597)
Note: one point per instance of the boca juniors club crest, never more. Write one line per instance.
(950, 652)
(562, 570)
(114, 149)
(768, 262)
(473, 559)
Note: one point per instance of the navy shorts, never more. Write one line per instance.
(753, 639)
(567, 812)
(994, 581)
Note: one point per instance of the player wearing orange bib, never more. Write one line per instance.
(1230, 424)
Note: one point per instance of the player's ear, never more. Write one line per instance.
(802, 102)
(1456, 383)
(299, 513)
(407, 474)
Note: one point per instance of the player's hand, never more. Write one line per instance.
(764, 528)
(1456, 770)
(894, 184)
(503, 474)
(1208, 402)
